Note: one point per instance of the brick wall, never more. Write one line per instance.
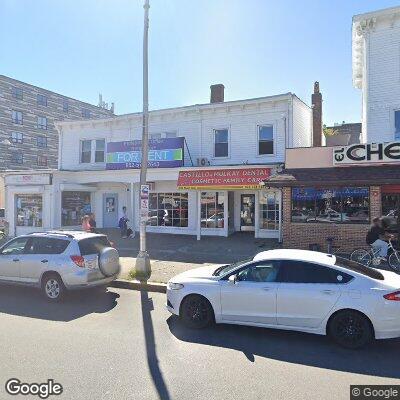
(348, 236)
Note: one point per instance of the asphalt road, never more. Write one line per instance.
(121, 344)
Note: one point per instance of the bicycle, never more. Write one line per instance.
(368, 257)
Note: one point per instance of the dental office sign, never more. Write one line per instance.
(163, 153)
(370, 153)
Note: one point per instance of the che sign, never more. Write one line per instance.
(369, 153)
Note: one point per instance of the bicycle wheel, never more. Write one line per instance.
(394, 261)
(361, 256)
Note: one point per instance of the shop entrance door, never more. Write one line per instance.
(247, 212)
(110, 210)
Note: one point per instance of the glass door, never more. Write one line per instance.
(247, 212)
(390, 211)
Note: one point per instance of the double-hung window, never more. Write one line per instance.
(42, 161)
(17, 157)
(17, 93)
(86, 151)
(397, 125)
(17, 137)
(41, 141)
(265, 140)
(221, 143)
(65, 106)
(85, 113)
(42, 122)
(17, 117)
(41, 100)
(99, 152)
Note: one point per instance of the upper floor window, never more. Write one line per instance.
(155, 136)
(17, 93)
(17, 157)
(42, 122)
(85, 113)
(17, 117)
(99, 152)
(17, 137)
(41, 141)
(397, 124)
(41, 100)
(170, 135)
(265, 139)
(65, 106)
(86, 151)
(42, 161)
(221, 142)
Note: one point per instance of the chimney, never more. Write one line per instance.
(217, 93)
(316, 101)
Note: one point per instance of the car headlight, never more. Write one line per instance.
(174, 286)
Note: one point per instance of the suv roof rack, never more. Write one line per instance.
(60, 233)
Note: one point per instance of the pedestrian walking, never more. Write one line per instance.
(123, 223)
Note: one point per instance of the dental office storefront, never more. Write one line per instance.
(211, 201)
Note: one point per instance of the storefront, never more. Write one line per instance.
(338, 201)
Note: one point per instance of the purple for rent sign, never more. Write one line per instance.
(163, 153)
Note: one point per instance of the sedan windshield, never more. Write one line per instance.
(230, 267)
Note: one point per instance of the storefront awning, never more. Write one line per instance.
(223, 178)
(339, 176)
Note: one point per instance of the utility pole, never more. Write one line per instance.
(143, 267)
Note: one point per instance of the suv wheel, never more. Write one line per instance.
(53, 288)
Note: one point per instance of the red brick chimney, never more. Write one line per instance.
(316, 101)
(217, 93)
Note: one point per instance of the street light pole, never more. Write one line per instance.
(143, 267)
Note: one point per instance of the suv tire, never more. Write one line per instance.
(53, 287)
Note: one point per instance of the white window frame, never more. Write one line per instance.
(221, 128)
(92, 151)
(163, 134)
(42, 126)
(274, 138)
(13, 120)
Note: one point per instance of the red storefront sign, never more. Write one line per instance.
(227, 178)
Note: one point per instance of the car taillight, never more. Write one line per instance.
(79, 261)
(395, 296)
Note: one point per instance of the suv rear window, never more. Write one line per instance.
(361, 269)
(93, 245)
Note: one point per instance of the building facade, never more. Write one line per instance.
(206, 167)
(376, 71)
(28, 137)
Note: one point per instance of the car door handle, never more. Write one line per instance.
(327, 291)
(45, 261)
(15, 259)
(267, 288)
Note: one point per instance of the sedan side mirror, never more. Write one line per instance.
(232, 279)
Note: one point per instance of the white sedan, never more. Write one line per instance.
(294, 290)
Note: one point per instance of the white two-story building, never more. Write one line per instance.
(206, 164)
(376, 71)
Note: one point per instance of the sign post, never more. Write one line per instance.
(143, 267)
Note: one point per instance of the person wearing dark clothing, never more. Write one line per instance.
(92, 222)
(375, 238)
(123, 223)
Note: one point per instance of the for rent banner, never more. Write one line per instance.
(163, 153)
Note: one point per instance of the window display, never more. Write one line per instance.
(348, 205)
(168, 209)
(212, 209)
(74, 205)
(29, 210)
(269, 210)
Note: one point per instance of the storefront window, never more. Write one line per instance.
(390, 210)
(212, 209)
(74, 205)
(269, 210)
(168, 209)
(348, 205)
(29, 210)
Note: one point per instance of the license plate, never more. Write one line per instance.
(91, 264)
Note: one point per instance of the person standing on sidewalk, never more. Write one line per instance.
(123, 223)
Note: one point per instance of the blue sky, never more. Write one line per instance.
(254, 47)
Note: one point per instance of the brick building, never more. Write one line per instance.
(28, 138)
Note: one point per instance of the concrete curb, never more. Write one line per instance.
(136, 285)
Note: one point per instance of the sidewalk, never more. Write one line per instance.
(173, 254)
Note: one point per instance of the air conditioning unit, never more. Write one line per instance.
(203, 162)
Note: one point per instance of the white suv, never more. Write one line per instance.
(59, 260)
